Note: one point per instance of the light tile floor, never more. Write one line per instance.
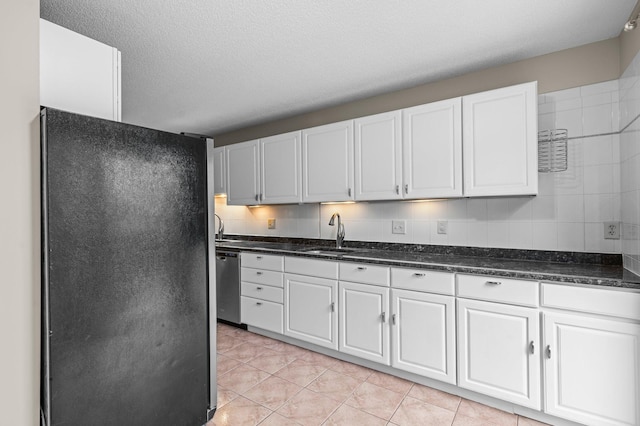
(266, 382)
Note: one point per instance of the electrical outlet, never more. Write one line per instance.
(442, 227)
(612, 230)
(271, 224)
(398, 226)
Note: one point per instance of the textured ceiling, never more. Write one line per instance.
(211, 66)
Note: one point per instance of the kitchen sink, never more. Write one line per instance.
(330, 251)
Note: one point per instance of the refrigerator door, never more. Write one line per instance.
(125, 240)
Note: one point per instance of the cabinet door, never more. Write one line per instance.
(78, 74)
(310, 309)
(423, 334)
(364, 331)
(327, 162)
(592, 369)
(432, 150)
(498, 351)
(219, 174)
(501, 141)
(378, 157)
(281, 175)
(243, 171)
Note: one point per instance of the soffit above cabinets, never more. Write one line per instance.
(209, 67)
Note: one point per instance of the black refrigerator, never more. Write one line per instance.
(126, 302)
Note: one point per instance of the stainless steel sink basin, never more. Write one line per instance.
(329, 251)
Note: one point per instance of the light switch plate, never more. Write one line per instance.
(398, 226)
(442, 227)
(271, 224)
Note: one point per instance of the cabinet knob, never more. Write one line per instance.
(384, 317)
(418, 274)
(256, 197)
(333, 307)
(549, 351)
(532, 348)
(393, 319)
(406, 188)
(258, 273)
(362, 268)
(493, 283)
(398, 189)
(261, 197)
(258, 288)
(349, 192)
(259, 303)
(259, 257)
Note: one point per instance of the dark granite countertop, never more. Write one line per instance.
(563, 267)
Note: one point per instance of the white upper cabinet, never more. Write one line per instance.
(78, 74)
(281, 175)
(219, 173)
(378, 157)
(432, 150)
(243, 171)
(500, 141)
(327, 163)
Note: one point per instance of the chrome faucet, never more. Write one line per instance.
(220, 233)
(340, 233)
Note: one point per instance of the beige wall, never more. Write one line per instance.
(579, 66)
(19, 214)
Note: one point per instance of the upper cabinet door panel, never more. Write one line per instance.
(281, 178)
(327, 162)
(432, 150)
(378, 155)
(243, 168)
(219, 174)
(79, 74)
(500, 141)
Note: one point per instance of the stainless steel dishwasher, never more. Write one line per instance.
(228, 285)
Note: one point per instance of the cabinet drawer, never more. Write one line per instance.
(264, 292)
(616, 303)
(262, 314)
(312, 267)
(261, 276)
(423, 280)
(498, 289)
(262, 261)
(364, 273)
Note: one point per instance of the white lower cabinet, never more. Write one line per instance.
(310, 313)
(364, 329)
(592, 369)
(261, 313)
(423, 334)
(498, 351)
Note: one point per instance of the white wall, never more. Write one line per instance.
(19, 214)
(566, 215)
(630, 164)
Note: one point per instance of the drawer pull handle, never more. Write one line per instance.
(418, 274)
(384, 317)
(549, 351)
(259, 257)
(259, 273)
(259, 303)
(393, 319)
(398, 189)
(532, 348)
(333, 307)
(362, 268)
(406, 188)
(493, 283)
(258, 288)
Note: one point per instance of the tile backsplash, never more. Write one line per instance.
(630, 165)
(567, 214)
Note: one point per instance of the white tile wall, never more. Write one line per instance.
(630, 165)
(566, 215)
